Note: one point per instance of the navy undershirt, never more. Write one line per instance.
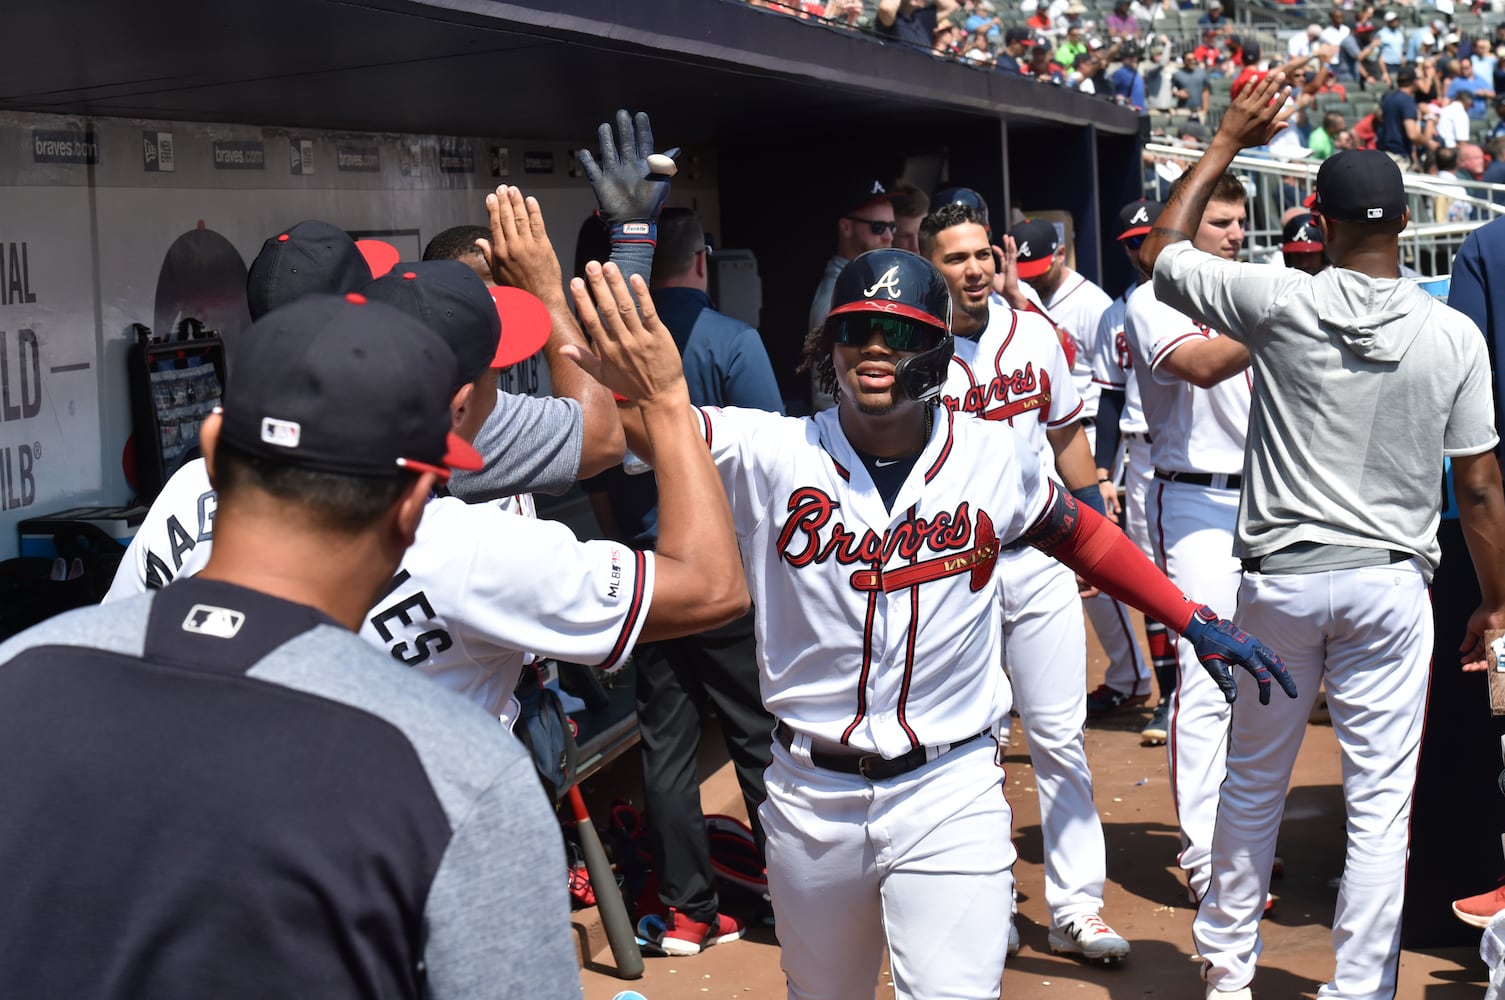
(888, 474)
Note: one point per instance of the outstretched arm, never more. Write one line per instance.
(519, 254)
(698, 582)
(1084, 540)
(1251, 120)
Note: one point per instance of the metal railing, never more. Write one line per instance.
(1443, 212)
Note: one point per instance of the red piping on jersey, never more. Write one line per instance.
(640, 564)
(840, 469)
(1174, 639)
(1074, 288)
(1068, 418)
(909, 642)
(867, 661)
(1160, 355)
(945, 451)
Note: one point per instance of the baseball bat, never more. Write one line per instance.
(619, 931)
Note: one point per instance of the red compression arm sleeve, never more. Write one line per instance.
(1093, 546)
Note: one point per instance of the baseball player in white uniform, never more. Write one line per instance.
(1195, 389)
(1121, 419)
(870, 534)
(1077, 306)
(1008, 366)
(1363, 384)
(481, 587)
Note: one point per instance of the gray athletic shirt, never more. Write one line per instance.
(532, 445)
(1361, 386)
(215, 793)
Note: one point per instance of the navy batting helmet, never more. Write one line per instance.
(963, 196)
(906, 289)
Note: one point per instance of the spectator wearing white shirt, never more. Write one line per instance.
(1303, 44)
(1452, 120)
(1334, 34)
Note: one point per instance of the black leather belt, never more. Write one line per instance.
(871, 766)
(1214, 480)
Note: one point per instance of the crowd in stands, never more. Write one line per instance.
(1423, 83)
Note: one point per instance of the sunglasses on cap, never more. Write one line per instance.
(1133, 242)
(878, 226)
(899, 334)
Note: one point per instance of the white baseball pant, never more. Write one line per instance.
(1192, 529)
(922, 862)
(1045, 651)
(1139, 479)
(1366, 634)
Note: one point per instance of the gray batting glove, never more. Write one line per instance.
(629, 194)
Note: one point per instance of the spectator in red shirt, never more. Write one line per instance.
(1364, 130)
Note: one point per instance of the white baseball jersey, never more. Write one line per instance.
(878, 630)
(1001, 376)
(478, 587)
(1194, 430)
(1077, 306)
(1113, 365)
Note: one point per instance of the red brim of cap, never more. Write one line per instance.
(458, 454)
(1310, 201)
(1035, 268)
(1131, 233)
(888, 308)
(1301, 247)
(525, 325)
(880, 199)
(380, 257)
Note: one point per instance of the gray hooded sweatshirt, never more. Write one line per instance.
(1361, 386)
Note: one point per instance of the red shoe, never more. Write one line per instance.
(684, 936)
(1477, 911)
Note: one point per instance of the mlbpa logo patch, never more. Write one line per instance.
(282, 433)
(220, 623)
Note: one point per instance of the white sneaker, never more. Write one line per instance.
(1013, 939)
(1087, 935)
(1242, 993)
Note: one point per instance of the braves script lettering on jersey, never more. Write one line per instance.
(879, 629)
(1017, 372)
(478, 588)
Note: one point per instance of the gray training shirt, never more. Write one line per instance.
(1339, 455)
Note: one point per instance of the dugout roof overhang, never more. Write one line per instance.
(706, 69)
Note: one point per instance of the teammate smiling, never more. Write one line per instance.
(879, 635)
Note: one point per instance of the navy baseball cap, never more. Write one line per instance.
(861, 193)
(1301, 235)
(452, 300)
(313, 257)
(1359, 185)
(964, 196)
(1036, 242)
(342, 385)
(1136, 218)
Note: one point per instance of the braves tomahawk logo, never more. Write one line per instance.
(1004, 397)
(811, 537)
(889, 283)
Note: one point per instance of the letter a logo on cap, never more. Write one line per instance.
(1140, 215)
(878, 188)
(1024, 249)
(888, 283)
